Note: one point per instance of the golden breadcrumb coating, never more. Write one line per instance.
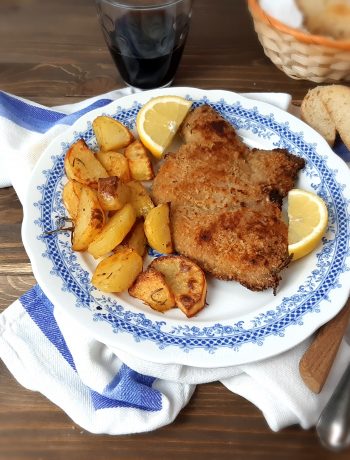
(225, 201)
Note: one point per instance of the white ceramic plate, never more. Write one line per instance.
(237, 326)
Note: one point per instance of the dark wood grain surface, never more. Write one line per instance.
(52, 52)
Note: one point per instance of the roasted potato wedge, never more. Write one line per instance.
(113, 193)
(136, 238)
(117, 272)
(71, 196)
(140, 164)
(90, 219)
(140, 198)
(157, 229)
(111, 134)
(113, 232)
(115, 164)
(82, 165)
(186, 280)
(150, 287)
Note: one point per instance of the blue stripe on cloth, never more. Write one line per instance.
(40, 309)
(341, 150)
(127, 389)
(70, 119)
(39, 119)
(26, 115)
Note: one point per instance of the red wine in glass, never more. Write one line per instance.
(147, 45)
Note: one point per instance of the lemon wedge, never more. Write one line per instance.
(308, 220)
(158, 121)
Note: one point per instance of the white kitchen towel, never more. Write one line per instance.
(106, 390)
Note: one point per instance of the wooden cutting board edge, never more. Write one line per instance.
(317, 361)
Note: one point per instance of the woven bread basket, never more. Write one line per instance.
(301, 55)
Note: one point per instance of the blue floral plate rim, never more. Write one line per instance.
(259, 325)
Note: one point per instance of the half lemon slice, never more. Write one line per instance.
(158, 121)
(308, 220)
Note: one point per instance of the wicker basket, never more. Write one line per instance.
(301, 55)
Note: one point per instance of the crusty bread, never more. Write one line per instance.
(327, 110)
(315, 114)
(327, 17)
(311, 8)
(336, 98)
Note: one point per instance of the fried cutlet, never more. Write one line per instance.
(225, 201)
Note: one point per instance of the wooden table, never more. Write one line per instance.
(52, 51)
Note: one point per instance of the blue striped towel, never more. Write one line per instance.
(110, 391)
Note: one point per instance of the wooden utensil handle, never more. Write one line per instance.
(317, 361)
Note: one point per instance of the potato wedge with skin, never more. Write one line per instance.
(186, 280)
(90, 219)
(136, 238)
(150, 287)
(140, 164)
(115, 164)
(81, 164)
(157, 229)
(71, 196)
(113, 193)
(111, 134)
(117, 272)
(113, 232)
(140, 198)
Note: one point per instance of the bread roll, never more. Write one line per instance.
(315, 114)
(327, 17)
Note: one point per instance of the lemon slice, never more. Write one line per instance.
(308, 220)
(158, 121)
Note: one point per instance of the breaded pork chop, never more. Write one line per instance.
(225, 201)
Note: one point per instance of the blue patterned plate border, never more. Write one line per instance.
(238, 326)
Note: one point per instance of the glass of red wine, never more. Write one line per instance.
(146, 38)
